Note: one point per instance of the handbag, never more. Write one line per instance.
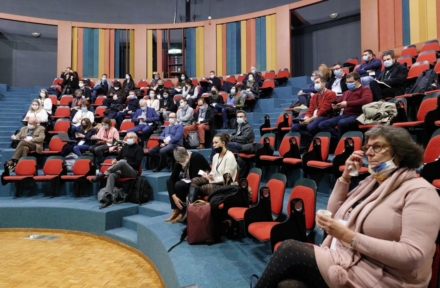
(199, 223)
(193, 139)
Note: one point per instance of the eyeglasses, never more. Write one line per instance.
(377, 147)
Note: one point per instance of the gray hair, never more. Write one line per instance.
(317, 72)
(132, 134)
(180, 153)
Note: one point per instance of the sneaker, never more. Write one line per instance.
(98, 178)
(106, 204)
(299, 108)
(11, 165)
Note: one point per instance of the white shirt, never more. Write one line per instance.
(47, 105)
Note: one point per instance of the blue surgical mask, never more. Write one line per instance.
(250, 78)
(130, 141)
(105, 127)
(232, 91)
(351, 86)
(383, 170)
(365, 58)
(388, 63)
(152, 96)
(317, 87)
(337, 72)
(84, 109)
(182, 105)
(240, 120)
(165, 96)
(144, 108)
(131, 96)
(103, 79)
(182, 78)
(156, 78)
(172, 121)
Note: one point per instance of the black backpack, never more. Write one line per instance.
(140, 191)
(425, 82)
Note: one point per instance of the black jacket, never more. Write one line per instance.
(133, 154)
(169, 105)
(246, 135)
(133, 105)
(343, 83)
(395, 76)
(197, 162)
(215, 82)
(209, 116)
(211, 100)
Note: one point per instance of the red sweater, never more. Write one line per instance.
(356, 99)
(323, 103)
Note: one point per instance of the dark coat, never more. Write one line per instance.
(395, 76)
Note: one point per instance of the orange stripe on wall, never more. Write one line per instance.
(252, 44)
(369, 25)
(398, 32)
(80, 52)
(106, 51)
(111, 44)
(386, 25)
(224, 48)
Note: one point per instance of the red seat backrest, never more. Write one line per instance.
(254, 183)
(308, 196)
(284, 72)
(426, 106)
(62, 111)
(409, 50)
(277, 188)
(81, 166)
(430, 56)
(56, 144)
(417, 69)
(65, 99)
(26, 167)
(432, 150)
(341, 144)
(126, 124)
(61, 125)
(100, 111)
(430, 45)
(53, 166)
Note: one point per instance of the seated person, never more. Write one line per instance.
(256, 74)
(211, 81)
(86, 91)
(126, 164)
(190, 163)
(153, 102)
(45, 101)
(75, 104)
(320, 109)
(166, 105)
(243, 134)
(350, 107)
(70, 82)
(381, 234)
(127, 86)
(369, 70)
(171, 138)
(234, 99)
(185, 113)
(159, 89)
(391, 82)
(190, 92)
(337, 83)
(222, 163)
(31, 138)
(37, 111)
(145, 120)
(131, 106)
(202, 120)
(217, 103)
(180, 85)
(311, 89)
(154, 82)
(251, 88)
(100, 88)
(104, 139)
(83, 139)
(84, 113)
(115, 90)
(325, 71)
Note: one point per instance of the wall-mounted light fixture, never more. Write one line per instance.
(334, 15)
(36, 34)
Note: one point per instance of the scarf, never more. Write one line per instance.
(249, 83)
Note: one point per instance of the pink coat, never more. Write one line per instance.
(397, 227)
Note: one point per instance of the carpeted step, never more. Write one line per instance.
(124, 235)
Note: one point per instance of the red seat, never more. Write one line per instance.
(417, 69)
(270, 138)
(104, 166)
(25, 170)
(283, 73)
(99, 100)
(285, 148)
(318, 151)
(65, 99)
(282, 119)
(62, 112)
(430, 56)
(61, 125)
(153, 141)
(431, 160)
(241, 77)
(405, 60)
(52, 170)
(81, 169)
(354, 61)
(430, 45)
(267, 87)
(125, 126)
(426, 105)
(270, 74)
(55, 146)
(167, 83)
(177, 97)
(57, 81)
(409, 50)
(231, 79)
(195, 82)
(58, 87)
(99, 112)
(437, 67)
(142, 83)
(54, 100)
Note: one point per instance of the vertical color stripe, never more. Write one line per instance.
(244, 52)
(101, 51)
(271, 58)
(414, 18)
(200, 51)
(423, 21)
(261, 43)
(95, 57)
(132, 46)
(386, 25)
(149, 52)
(117, 54)
(80, 51)
(190, 52)
(74, 49)
(406, 31)
(251, 43)
(398, 40)
(431, 18)
(219, 50)
(159, 54)
(111, 56)
(106, 54)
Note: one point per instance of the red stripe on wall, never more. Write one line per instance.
(398, 32)
(111, 44)
(252, 44)
(80, 52)
(224, 48)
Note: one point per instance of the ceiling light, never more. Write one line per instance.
(36, 34)
(334, 15)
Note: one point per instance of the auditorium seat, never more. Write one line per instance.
(409, 50)
(430, 45)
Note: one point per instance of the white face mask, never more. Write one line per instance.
(151, 96)
(30, 126)
(127, 77)
(251, 78)
(182, 78)
(312, 78)
(130, 141)
(35, 107)
(116, 88)
(211, 76)
(103, 79)
(232, 91)
(383, 170)
(172, 121)
(81, 85)
(43, 95)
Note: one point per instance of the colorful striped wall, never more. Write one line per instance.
(195, 52)
(97, 51)
(244, 43)
(405, 22)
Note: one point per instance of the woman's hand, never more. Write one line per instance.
(335, 228)
(355, 157)
(177, 201)
(210, 177)
(206, 176)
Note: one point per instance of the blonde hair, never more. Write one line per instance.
(39, 106)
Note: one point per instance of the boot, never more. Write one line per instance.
(108, 201)
(173, 216)
(193, 194)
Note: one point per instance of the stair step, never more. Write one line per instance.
(162, 197)
(124, 235)
(155, 208)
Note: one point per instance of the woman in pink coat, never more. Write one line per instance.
(381, 234)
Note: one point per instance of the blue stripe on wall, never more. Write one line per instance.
(117, 56)
(95, 52)
(233, 48)
(85, 52)
(406, 35)
(258, 43)
(190, 56)
(260, 39)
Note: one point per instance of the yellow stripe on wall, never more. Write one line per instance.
(271, 48)
(220, 50)
(132, 43)
(414, 21)
(431, 19)
(149, 52)
(101, 52)
(74, 48)
(244, 64)
(423, 21)
(200, 52)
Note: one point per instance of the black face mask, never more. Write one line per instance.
(78, 96)
(84, 127)
(160, 86)
(214, 92)
(218, 149)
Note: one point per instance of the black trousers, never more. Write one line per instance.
(180, 188)
(381, 92)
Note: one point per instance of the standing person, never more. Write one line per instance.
(170, 138)
(190, 163)
(101, 87)
(31, 139)
(45, 101)
(105, 137)
(126, 164)
(381, 234)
